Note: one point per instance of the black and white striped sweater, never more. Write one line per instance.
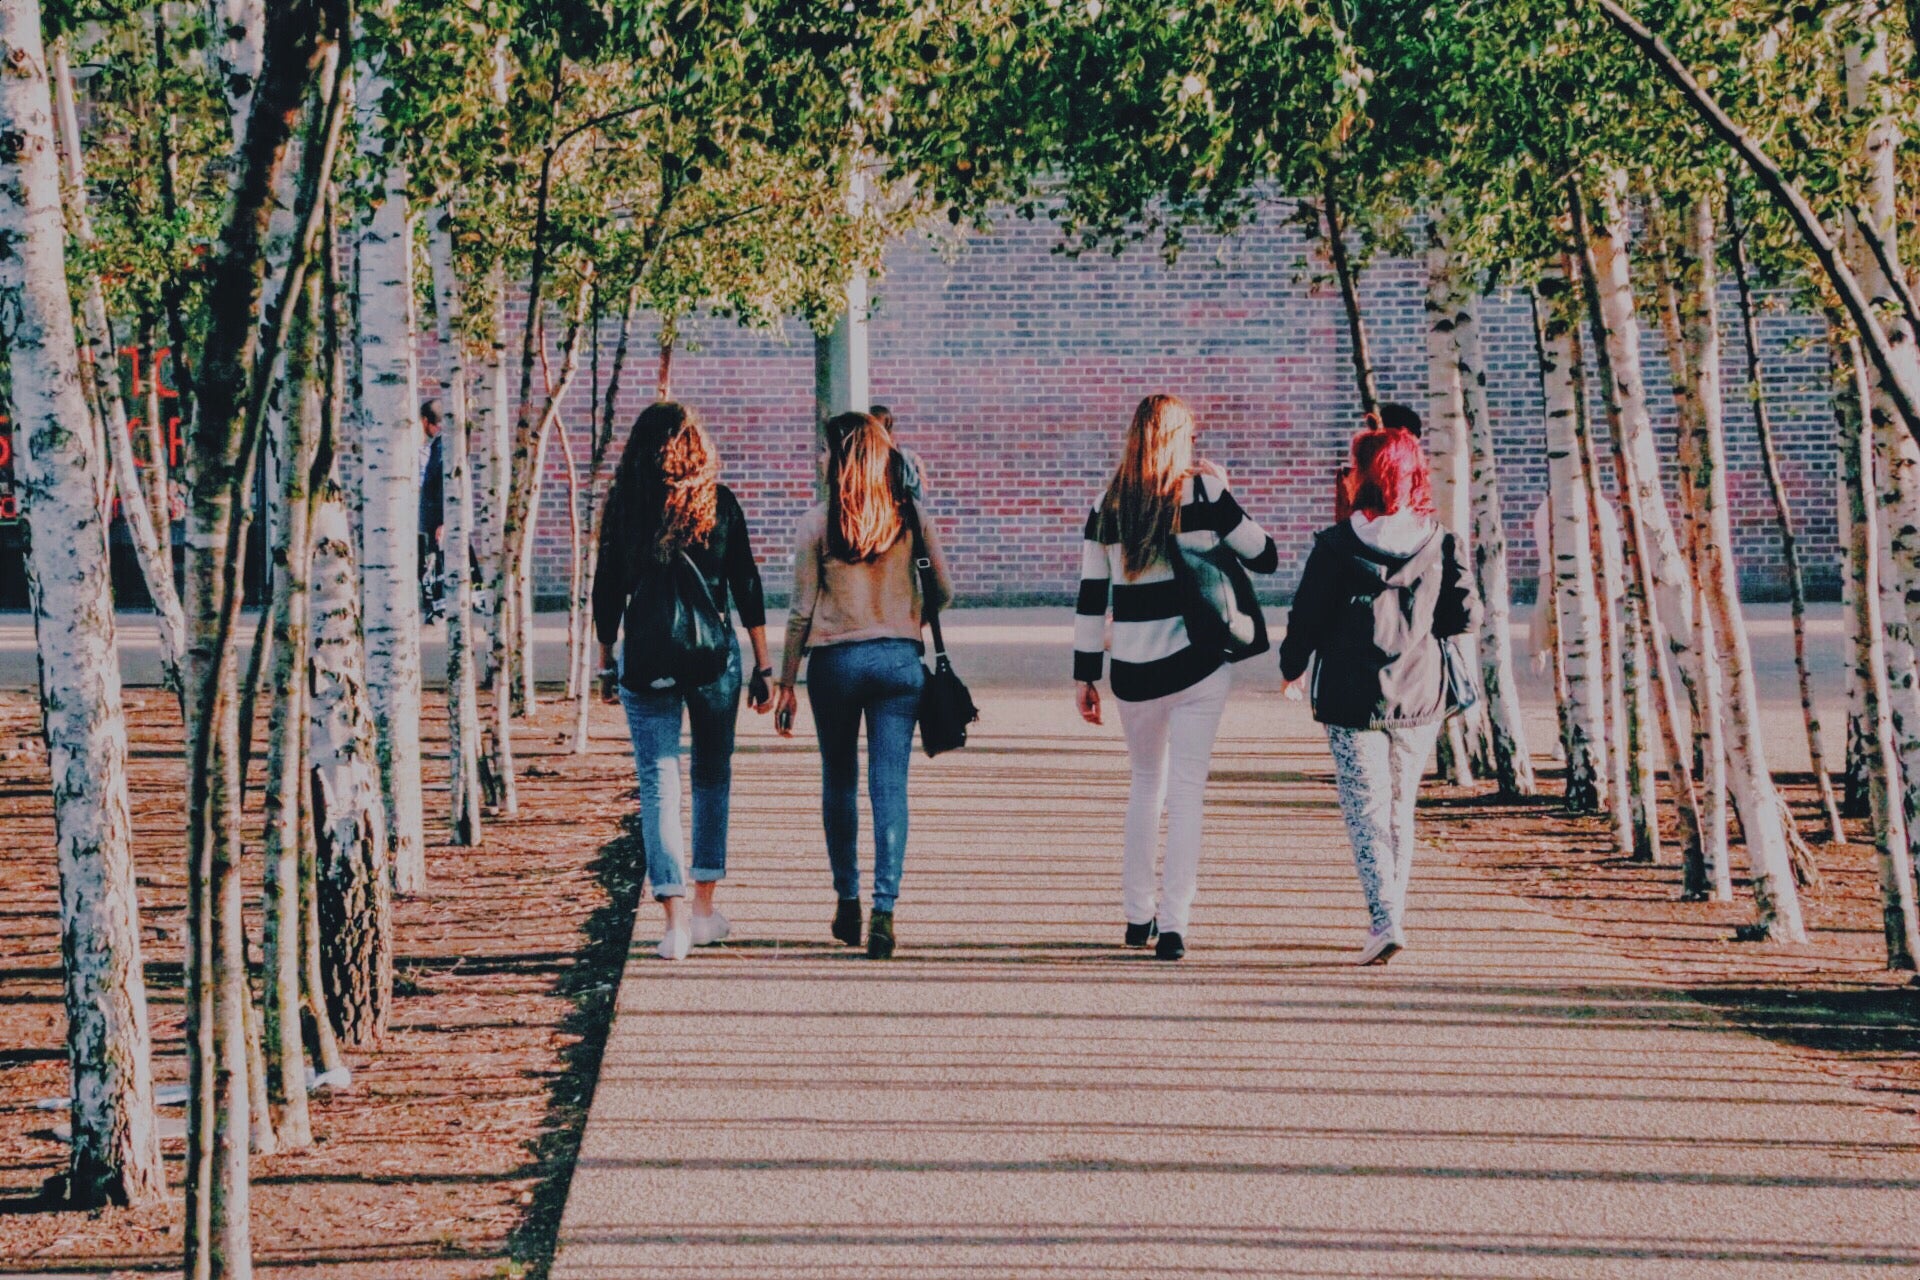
(1152, 656)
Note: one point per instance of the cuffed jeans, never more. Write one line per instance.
(1377, 773)
(881, 680)
(653, 722)
(1170, 750)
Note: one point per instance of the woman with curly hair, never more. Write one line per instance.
(667, 502)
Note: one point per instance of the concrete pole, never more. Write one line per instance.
(840, 358)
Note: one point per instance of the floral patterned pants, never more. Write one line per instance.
(1377, 772)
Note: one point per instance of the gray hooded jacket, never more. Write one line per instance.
(1374, 621)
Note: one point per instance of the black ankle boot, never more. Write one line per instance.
(880, 936)
(1171, 947)
(1139, 935)
(846, 922)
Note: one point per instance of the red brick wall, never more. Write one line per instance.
(1013, 370)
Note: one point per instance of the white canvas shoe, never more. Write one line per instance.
(674, 944)
(1380, 947)
(710, 928)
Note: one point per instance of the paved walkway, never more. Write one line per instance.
(1015, 1096)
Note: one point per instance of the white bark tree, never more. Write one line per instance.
(1570, 553)
(1776, 900)
(1763, 813)
(1513, 764)
(389, 439)
(456, 538)
(1448, 441)
(100, 376)
(1900, 923)
(349, 814)
(115, 1154)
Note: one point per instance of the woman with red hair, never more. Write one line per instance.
(1381, 593)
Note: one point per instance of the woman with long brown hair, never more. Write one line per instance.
(858, 609)
(1172, 691)
(666, 511)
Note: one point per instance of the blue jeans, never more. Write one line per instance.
(653, 722)
(880, 679)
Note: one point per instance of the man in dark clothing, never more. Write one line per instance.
(432, 509)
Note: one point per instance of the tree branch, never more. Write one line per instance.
(1784, 193)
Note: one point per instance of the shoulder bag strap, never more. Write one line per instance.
(923, 565)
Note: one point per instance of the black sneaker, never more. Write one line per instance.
(1139, 935)
(846, 922)
(880, 936)
(1171, 947)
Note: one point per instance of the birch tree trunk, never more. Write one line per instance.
(1613, 587)
(603, 435)
(1362, 352)
(1899, 921)
(1783, 518)
(1644, 516)
(286, 733)
(349, 817)
(100, 378)
(1447, 444)
(390, 491)
(228, 378)
(1899, 456)
(463, 693)
(1764, 817)
(1513, 765)
(497, 447)
(1575, 596)
(115, 1154)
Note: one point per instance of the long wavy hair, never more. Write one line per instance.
(865, 489)
(665, 493)
(1142, 504)
(1390, 474)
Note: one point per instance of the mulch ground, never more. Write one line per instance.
(449, 1156)
(1832, 1001)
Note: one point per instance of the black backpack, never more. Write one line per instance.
(675, 629)
(1217, 599)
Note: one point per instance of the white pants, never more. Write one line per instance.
(1170, 748)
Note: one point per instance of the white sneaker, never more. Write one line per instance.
(710, 928)
(1380, 947)
(674, 944)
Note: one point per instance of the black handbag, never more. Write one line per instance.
(675, 630)
(946, 707)
(1217, 599)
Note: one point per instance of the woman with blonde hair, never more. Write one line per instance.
(1172, 689)
(671, 527)
(858, 608)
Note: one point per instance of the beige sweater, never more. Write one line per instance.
(839, 603)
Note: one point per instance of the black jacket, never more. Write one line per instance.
(626, 565)
(433, 489)
(1375, 621)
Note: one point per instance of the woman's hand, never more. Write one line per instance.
(1208, 467)
(609, 676)
(759, 692)
(1088, 700)
(1295, 689)
(785, 703)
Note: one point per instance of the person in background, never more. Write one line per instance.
(1388, 417)
(667, 500)
(1171, 692)
(1380, 593)
(858, 608)
(912, 473)
(433, 511)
